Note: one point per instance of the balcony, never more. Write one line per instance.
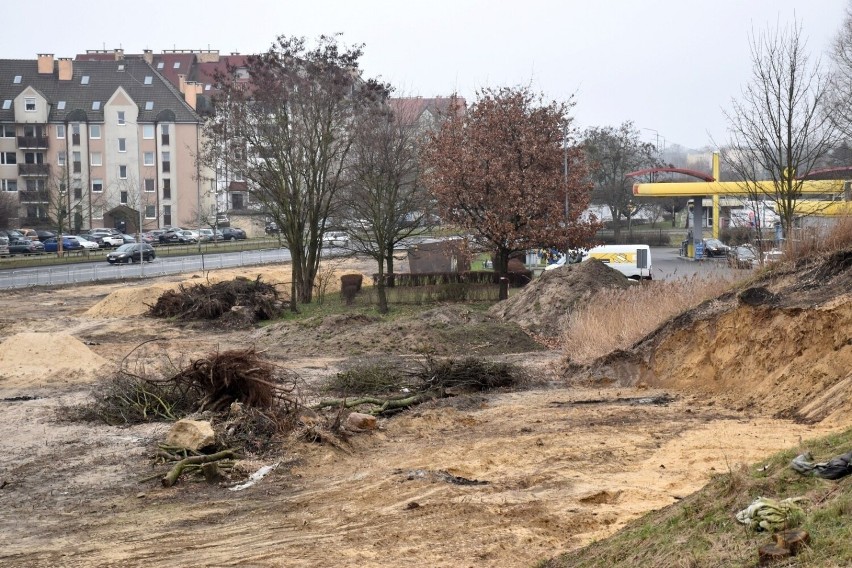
(34, 170)
(32, 142)
(34, 196)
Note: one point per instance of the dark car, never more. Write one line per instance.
(177, 236)
(44, 235)
(233, 233)
(715, 248)
(743, 257)
(51, 245)
(131, 252)
(25, 247)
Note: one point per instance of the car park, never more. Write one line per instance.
(178, 236)
(26, 247)
(44, 235)
(68, 244)
(715, 248)
(233, 233)
(29, 234)
(132, 252)
(105, 238)
(128, 238)
(209, 235)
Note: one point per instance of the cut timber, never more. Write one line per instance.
(769, 553)
(793, 539)
(174, 474)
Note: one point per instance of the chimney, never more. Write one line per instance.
(191, 91)
(45, 63)
(182, 83)
(119, 54)
(148, 56)
(66, 68)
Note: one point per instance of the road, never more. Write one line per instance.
(665, 262)
(97, 271)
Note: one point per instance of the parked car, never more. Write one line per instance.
(69, 244)
(208, 235)
(128, 238)
(131, 252)
(335, 239)
(715, 248)
(84, 242)
(148, 238)
(44, 235)
(12, 234)
(29, 234)
(26, 247)
(105, 238)
(233, 233)
(182, 236)
(742, 257)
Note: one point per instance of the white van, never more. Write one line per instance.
(634, 261)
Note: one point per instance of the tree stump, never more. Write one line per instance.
(769, 553)
(794, 540)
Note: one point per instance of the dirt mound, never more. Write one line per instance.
(543, 305)
(790, 357)
(129, 301)
(46, 358)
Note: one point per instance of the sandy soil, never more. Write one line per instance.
(561, 465)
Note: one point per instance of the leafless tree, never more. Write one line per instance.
(8, 207)
(778, 128)
(386, 201)
(284, 122)
(840, 101)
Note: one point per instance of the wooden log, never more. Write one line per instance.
(794, 540)
(173, 475)
(769, 553)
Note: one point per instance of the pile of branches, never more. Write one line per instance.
(238, 375)
(258, 301)
(429, 380)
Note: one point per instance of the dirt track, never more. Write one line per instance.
(558, 474)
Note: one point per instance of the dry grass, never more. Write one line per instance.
(616, 319)
(813, 243)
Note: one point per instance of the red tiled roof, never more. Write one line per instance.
(411, 109)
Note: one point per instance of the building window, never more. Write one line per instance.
(35, 185)
(7, 104)
(96, 105)
(121, 121)
(84, 80)
(149, 79)
(150, 211)
(167, 188)
(167, 164)
(122, 198)
(60, 131)
(17, 80)
(207, 87)
(8, 185)
(77, 188)
(148, 131)
(122, 144)
(164, 128)
(75, 134)
(167, 215)
(60, 105)
(121, 66)
(177, 65)
(122, 172)
(159, 65)
(7, 131)
(149, 185)
(60, 159)
(149, 105)
(33, 158)
(95, 131)
(8, 158)
(148, 158)
(97, 185)
(29, 104)
(96, 159)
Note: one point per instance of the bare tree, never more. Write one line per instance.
(778, 128)
(8, 207)
(284, 122)
(386, 202)
(612, 154)
(840, 101)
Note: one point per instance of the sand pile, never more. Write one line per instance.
(129, 301)
(46, 359)
(543, 306)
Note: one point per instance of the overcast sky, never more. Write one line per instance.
(671, 66)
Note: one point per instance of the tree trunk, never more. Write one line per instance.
(501, 267)
(391, 282)
(380, 290)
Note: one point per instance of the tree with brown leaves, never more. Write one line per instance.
(504, 170)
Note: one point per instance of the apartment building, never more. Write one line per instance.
(98, 144)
